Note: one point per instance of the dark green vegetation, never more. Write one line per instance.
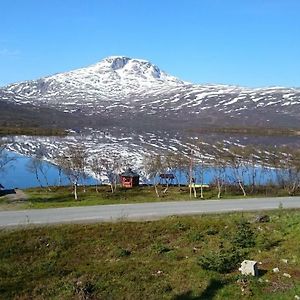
(32, 131)
(63, 197)
(28, 116)
(256, 131)
(13, 115)
(174, 258)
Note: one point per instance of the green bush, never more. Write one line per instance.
(181, 226)
(123, 252)
(267, 242)
(221, 261)
(244, 236)
(195, 236)
(212, 231)
(160, 248)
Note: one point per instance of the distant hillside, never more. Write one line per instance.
(15, 115)
(135, 93)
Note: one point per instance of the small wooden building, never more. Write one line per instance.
(129, 179)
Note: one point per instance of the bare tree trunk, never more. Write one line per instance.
(156, 190)
(167, 187)
(75, 191)
(115, 184)
(202, 178)
(242, 188)
(191, 174)
(112, 187)
(46, 179)
(219, 189)
(59, 180)
(292, 189)
(38, 178)
(195, 192)
(202, 181)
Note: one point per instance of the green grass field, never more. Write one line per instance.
(62, 196)
(153, 260)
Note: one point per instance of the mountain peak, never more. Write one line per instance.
(124, 67)
(120, 62)
(115, 62)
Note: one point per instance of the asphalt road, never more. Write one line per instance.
(141, 211)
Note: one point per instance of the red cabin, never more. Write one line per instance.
(129, 179)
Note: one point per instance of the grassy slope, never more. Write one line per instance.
(150, 260)
(62, 196)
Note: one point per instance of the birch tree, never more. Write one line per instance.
(74, 165)
(177, 163)
(39, 167)
(98, 170)
(5, 158)
(220, 169)
(236, 162)
(112, 167)
(153, 164)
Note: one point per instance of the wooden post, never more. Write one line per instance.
(191, 173)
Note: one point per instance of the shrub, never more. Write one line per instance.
(123, 252)
(180, 226)
(244, 236)
(221, 261)
(195, 236)
(267, 241)
(160, 248)
(212, 231)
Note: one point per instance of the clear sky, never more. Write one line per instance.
(245, 42)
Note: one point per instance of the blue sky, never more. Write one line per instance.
(249, 43)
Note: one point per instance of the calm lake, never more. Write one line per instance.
(17, 175)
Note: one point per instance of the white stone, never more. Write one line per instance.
(287, 275)
(284, 261)
(276, 270)
(249, 267)
(297, 297)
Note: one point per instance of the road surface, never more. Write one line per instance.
(141, 211)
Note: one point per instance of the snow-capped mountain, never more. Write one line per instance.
(129, 107)
(121, 89)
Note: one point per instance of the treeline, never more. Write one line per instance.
(257, 131)
(243, 169)
(249, 169)
(37, 131)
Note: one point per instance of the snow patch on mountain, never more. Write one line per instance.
(119, 86)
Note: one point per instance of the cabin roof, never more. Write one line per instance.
(129, 173)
